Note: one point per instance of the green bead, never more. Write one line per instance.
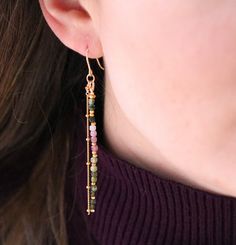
(94, 159)
(93, 168)
(92, 206)
(94, 174)
(92, 107)
(92, 193)
(93, 201)
(94, 179)
(94, 188)
(91, 101)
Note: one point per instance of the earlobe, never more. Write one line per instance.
(73, 25)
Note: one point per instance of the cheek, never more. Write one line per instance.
(156, 42)
(199, 53)
(183, 63)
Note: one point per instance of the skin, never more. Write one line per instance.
(170, 76)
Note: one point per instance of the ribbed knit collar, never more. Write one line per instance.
(135, 206)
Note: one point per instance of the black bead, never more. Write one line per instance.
(92, 119)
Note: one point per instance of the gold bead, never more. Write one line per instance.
(92, 96)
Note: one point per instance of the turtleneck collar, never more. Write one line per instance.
(135, 206)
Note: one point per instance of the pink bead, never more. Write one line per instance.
(94, 139)
(94, 148)
(92, 127)
(93, 133)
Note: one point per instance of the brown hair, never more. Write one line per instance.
(40, 88)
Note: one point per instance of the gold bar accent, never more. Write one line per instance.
(88, 158)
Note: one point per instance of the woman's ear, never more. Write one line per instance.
(74, 24)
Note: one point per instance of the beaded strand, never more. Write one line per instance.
(91, 137)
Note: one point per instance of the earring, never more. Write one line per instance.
(91, 138)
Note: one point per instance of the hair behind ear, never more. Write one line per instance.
(40, 86)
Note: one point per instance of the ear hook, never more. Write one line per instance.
(100, 64)
(87, 59)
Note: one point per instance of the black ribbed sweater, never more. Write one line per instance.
(137, 207)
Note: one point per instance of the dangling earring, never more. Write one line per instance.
(91, 138)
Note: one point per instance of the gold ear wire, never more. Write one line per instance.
(89, 67)
(99, 64)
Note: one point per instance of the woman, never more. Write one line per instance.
(163, 131)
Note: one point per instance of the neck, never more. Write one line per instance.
(125, 141)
